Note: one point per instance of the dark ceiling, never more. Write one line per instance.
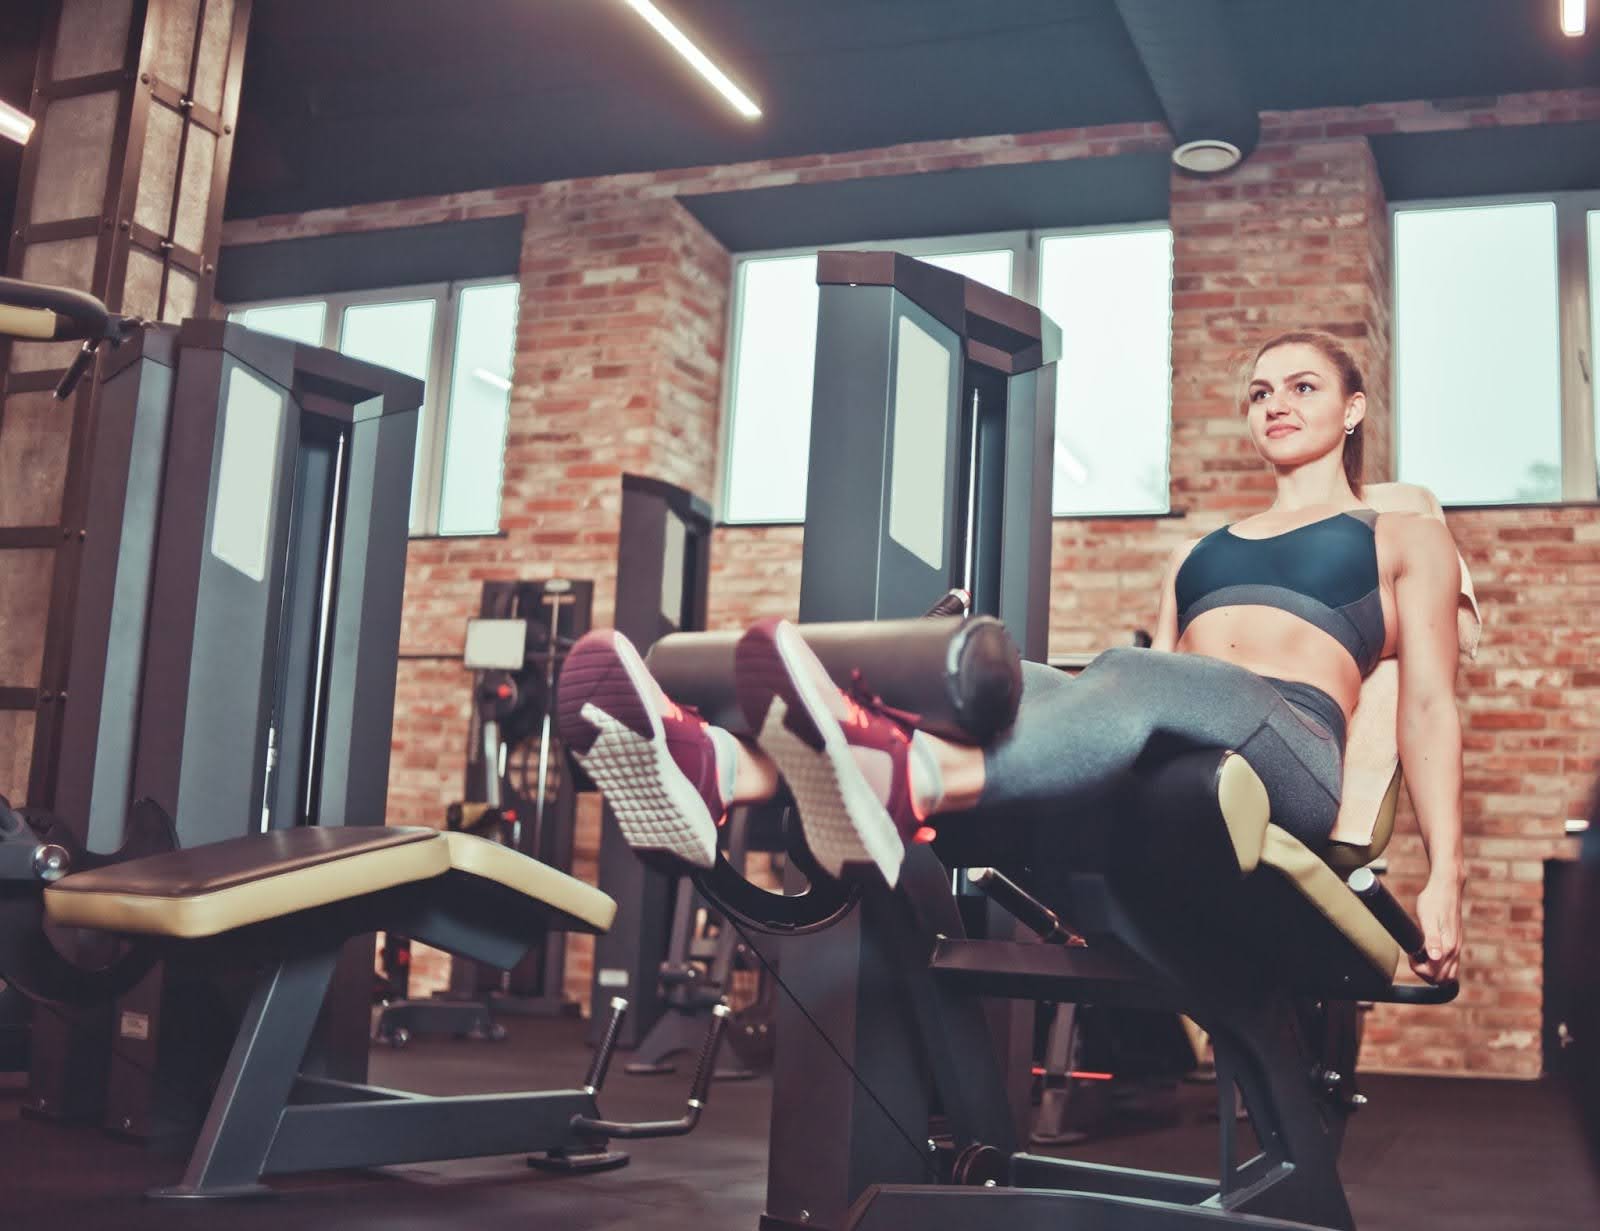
(361, 100)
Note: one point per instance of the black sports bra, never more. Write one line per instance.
(1325, 572)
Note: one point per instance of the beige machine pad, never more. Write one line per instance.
(216, 888)
(491, 861)
(1332, 899)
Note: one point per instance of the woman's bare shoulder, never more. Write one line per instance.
(1415, 540)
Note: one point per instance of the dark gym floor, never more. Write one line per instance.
(1468, 1155)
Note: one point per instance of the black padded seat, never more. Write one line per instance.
(209, 890)
(1292, 923)
(1189, 848)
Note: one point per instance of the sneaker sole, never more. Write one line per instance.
(842, 818)
(608, 722)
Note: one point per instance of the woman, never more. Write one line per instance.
(1266, 630)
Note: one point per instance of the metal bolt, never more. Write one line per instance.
(50, 863)
(1358, 1100)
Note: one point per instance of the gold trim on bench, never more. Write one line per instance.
(479, 857)
(1325, 891)
(1242, 799)
(197, 915)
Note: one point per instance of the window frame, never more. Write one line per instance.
(1580, 475)
(1018, 242)
(433, 440)
(1026, 277)
(1116, 228)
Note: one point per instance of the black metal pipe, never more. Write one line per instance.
(1386, 909)
(699, 1093)
(1032, 913)
(607, 1048)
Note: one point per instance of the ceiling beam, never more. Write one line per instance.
(1194, 70)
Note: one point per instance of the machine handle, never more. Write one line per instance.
(1386, 909)
(1032, 913)
(51, 313)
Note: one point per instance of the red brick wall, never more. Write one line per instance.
(624, 300)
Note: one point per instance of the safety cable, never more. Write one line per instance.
(921, 1152)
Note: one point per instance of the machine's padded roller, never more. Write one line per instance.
(962, 677)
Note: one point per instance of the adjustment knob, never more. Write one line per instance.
(51, 862)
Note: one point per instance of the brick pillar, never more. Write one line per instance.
(617, 368)
(121, 195)
(1296, 237)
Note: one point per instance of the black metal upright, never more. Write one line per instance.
(663, 570)
(507, 769)
(236, 646)
(932, 435)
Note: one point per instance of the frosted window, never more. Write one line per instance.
(398, 336)
(922, 410)
(299, 322)
(1477, 353)
(774, 351)
(480, 394)
(252, 433)
(1111, 293)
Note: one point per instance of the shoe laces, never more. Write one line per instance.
(678, 711)
(862, 696)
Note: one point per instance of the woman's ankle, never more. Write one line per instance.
(945, 776)
(755, 777)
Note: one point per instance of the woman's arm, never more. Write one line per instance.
(1165, 636)
(1426, 586)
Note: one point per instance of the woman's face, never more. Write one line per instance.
(1296, 406)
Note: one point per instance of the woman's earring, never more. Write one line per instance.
(1350, 429)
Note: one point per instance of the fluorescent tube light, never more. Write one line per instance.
(18, 125)
(737, 98)
(1574, 17)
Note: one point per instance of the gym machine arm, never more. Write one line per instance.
(37, 312)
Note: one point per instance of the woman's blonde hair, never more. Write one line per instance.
(1350, 379)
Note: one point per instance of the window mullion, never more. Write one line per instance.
(438, 400)
(1578, 477)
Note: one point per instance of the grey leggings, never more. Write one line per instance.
(1074, 737)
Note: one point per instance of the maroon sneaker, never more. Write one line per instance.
(843, 754)
(653, 760)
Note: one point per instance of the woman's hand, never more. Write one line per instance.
(1439, 914)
